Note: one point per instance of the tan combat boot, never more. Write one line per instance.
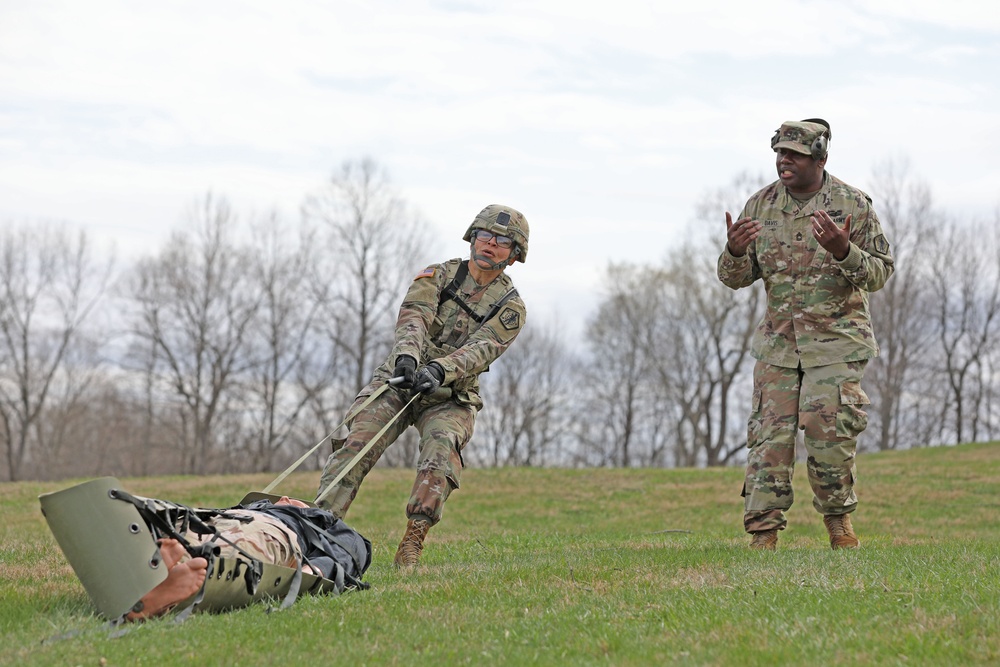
(841, 534)
(408, 553)
(765, 539)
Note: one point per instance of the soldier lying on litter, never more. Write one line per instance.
(140, 558)
(287, 533)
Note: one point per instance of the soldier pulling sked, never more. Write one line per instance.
(456, 319)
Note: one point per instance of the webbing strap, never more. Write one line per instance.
(450, 292)
(499, 304)
(293, 588)
(364, 450)
(207, 550)
(277, 480)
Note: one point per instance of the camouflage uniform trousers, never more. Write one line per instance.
(264, 538)
(445, 428)
(826, 403)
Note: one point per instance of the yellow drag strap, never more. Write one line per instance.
(375, 394)
(364, 450)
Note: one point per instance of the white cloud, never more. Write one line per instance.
(604, 123)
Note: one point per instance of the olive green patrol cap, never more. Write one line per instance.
(809, 137)
(503, 221)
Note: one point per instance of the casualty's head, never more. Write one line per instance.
(801, 148)
(294, 502)
(498, 237)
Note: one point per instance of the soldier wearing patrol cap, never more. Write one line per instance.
(456, 319)
(818, 246)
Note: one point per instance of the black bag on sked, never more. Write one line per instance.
(327, 542)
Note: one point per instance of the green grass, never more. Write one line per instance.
(577, 567)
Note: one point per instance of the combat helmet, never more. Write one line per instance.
(503, 221)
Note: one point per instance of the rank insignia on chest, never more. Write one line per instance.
(510, 319)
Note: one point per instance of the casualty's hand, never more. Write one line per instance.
(836, 240)
(428, 378)
(406, 367)
(740, 234)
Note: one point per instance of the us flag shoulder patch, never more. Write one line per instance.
(426, 273)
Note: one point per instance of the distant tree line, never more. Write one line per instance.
(229, 351)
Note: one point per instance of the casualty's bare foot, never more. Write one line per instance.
(171, 551)
(183, 581)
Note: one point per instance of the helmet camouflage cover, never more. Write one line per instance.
(503, 221)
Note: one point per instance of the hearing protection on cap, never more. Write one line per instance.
(820, 146)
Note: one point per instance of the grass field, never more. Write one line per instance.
(577, 567)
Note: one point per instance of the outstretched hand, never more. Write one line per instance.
(740, 235)
(835, 239)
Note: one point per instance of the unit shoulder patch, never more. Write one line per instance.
(881, 244)
(510, 319)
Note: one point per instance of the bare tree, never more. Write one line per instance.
(62, 435)
(703, 344)
(96, 432)
(898, 379)
(49, 285)
(707, 335)
(669, 351)
(965, 284)
(371, 242)
(372, 247)
(283, 339)
(525, 417)
(623, 421)
(195, 306)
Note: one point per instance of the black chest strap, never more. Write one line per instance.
(450, 292)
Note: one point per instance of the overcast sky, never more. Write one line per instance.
(604, 123)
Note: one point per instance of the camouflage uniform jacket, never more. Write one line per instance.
(428, 329)
(817, 307)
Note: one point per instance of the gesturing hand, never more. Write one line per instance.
(428, 378)
(836, 240)
(740, 234)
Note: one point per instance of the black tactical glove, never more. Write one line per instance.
(406, 367)
(428, 378)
